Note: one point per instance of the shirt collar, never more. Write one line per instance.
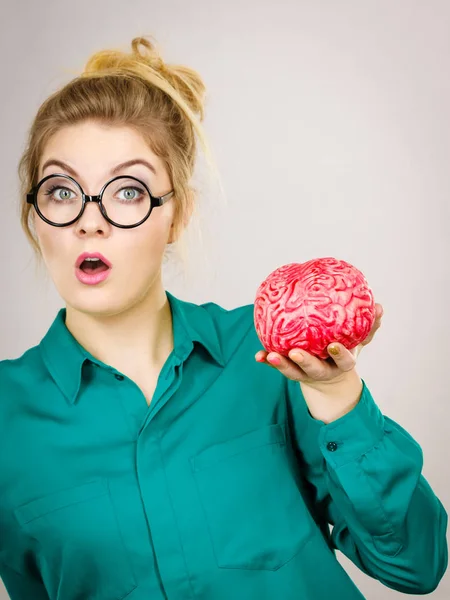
(64, 356)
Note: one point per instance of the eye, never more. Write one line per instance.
(66, 197)
(131, 193)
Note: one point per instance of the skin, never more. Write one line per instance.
(304, 367)
(125, 321)
(332, 387)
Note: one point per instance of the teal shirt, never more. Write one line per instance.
(225, 487)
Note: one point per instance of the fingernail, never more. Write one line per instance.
(333, 350)
(274, 360)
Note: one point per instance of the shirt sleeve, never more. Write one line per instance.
(364, 473)
(22, 587)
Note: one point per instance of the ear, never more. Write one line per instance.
(173, 237)
(32, 225)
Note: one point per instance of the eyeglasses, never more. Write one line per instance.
(60, 201)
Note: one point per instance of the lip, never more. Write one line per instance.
(91, 278)
(92, 255)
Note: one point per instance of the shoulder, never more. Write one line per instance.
(19, 373)
(235, 326)
(212, 322)
(26, 360)
(240, 317)
(20, 383)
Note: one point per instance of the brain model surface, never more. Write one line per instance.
(310, 305)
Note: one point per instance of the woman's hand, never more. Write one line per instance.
(315, 372)
(331, 388)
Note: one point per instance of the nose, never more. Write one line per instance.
(92, 221)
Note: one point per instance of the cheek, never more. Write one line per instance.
(154, 233)
(145, 246)
(55, 248)
(47, 240)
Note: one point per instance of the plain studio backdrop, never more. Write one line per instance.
(329, 122)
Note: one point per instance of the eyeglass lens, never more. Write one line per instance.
(125, 201)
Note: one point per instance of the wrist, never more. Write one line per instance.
(328, 401)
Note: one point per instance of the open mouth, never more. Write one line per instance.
(93, 265)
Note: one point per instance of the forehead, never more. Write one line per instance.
(93, 149)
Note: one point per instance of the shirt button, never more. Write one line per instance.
(332, 446)
(119, 377)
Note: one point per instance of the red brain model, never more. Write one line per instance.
(312, 304)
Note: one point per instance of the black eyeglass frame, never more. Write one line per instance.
(155, 201)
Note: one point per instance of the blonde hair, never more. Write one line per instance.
(164, 103)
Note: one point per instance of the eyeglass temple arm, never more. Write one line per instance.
(162, 199)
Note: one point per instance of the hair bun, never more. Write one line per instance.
(152, 57)
(108, 60)
(184, 80)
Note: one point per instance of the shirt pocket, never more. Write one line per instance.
(255, 512)
(81, 552)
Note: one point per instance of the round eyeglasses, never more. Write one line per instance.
(60, 201)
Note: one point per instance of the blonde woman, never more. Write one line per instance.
(145, 451)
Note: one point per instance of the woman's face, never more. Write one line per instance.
(92, 150)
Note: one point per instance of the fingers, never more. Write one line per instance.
(281, 363)
(344, 358)
(302, 366)
(376, 325)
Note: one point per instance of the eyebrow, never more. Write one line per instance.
(114, 171)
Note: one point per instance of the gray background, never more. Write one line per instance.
(330, 125)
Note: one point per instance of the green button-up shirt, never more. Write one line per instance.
(224, 488)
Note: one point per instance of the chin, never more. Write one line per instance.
(96, 301)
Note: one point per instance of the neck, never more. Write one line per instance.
(138, 340)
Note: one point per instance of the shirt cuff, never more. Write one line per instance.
(346, 439)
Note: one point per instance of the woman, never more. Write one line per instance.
(145, 452)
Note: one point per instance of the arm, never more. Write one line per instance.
(22, 587)
(364, 472)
